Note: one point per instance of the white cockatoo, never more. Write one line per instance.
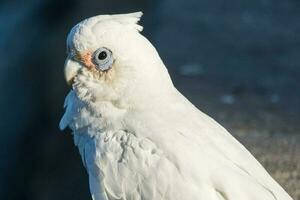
(140, 138)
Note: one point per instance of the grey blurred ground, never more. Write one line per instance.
(238, 61)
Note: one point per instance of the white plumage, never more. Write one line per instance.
(138, 137)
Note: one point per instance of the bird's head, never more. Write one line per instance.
(108, 59)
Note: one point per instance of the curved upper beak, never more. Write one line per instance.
(71, 70)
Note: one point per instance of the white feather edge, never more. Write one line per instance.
(129, 19)
(64, 122)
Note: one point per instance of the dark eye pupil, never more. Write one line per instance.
(102, 55)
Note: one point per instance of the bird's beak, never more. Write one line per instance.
(71, 69)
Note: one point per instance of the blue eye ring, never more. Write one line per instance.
(103, 58)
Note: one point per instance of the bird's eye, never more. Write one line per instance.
(102, 55)
(103, 59)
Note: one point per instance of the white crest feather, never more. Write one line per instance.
(130, 19)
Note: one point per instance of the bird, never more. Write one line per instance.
(139, 138)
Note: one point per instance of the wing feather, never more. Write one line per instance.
(161, 156)
(129, 167)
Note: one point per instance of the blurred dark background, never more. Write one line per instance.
(238, 61)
